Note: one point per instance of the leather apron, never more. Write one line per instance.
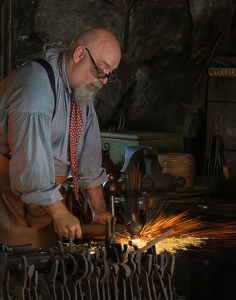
(22, 223)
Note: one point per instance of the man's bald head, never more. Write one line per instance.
(92, 38)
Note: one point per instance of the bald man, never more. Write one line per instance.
(38, 132)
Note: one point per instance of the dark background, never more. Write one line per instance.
(158, 39)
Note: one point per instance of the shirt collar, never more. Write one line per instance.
(64, 73)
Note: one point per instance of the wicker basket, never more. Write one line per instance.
(179, 164)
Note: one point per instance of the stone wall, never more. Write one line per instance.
(157, 38)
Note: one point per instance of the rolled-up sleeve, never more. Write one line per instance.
(90, 170)
(31, 170)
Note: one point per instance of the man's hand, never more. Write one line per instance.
(65, 224)
(97, 204)
(101, 216)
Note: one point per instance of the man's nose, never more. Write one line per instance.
(103, 80)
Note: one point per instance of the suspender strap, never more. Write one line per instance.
(50, 73)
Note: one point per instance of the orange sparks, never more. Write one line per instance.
(188, 233)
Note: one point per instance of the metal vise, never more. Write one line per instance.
(141, 176)
(143, 162)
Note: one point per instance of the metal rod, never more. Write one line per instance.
(112, 205)
(153, 242)
(100, 228)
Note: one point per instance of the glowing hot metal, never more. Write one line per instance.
(152, 243)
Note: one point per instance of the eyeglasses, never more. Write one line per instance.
(111, 77)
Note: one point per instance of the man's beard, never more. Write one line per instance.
(84, 94)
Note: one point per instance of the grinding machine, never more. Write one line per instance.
(100, 269)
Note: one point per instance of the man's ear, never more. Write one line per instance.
(78, 54)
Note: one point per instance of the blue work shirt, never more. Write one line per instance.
(39, 145)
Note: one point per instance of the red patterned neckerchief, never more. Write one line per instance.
(76, 125)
